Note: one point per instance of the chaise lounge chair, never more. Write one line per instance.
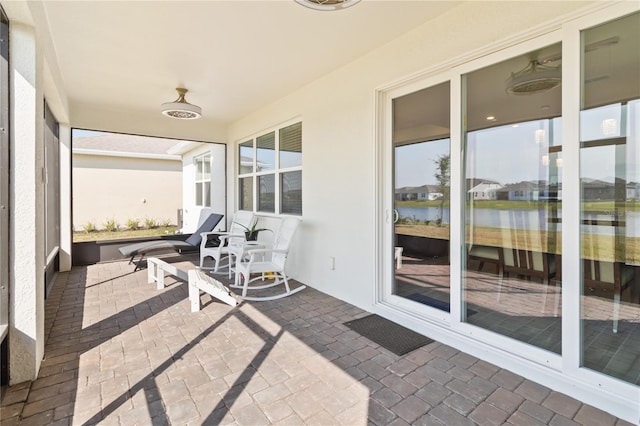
(191, 243)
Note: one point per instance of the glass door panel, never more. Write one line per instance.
(512, 198)
(610, 198)
(421, 173)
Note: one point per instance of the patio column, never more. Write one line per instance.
(66, 212)
(26, 264)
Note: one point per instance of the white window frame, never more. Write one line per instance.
(197, 161)
(560, 372)
(4, 190)
(277, 171)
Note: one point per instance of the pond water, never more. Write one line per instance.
(526, 219)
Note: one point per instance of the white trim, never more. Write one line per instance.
(4, 329)
(571, 340)
(105, 153)
(184, 146)
(559, 372)
(456, 185)
(514, 40)
(51, 256)
(276, 171)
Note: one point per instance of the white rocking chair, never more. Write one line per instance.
(229, 243)
(267, 261)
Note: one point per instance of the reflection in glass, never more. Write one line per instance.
(207, 194)
(512, 210)
(206, 169)
(246, 194)
(198, 193)
(610, 199)
(291, 190)
(203, 180)
(246, 157)
(199, 167)
(266, 152)
(421, 196)
(266, 193)
(291, 146)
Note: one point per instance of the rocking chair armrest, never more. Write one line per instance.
(226, 236)
(205, 237)
(253, 252)
(218, 233)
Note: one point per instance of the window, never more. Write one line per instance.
(513, 241)
(270, 171)
(203, 180)
(610, 198)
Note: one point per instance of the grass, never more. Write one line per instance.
(590, 206)
(79, 237)
(594, 246)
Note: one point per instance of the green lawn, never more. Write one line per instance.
(592, 206)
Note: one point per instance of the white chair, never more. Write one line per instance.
(229, 242)
(267, 261)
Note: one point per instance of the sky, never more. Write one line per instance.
(515, 153)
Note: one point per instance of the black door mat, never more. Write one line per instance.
(435, 303)
(388, 334)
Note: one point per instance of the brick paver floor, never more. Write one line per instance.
(120, 352)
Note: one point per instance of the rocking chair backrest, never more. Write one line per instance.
(240, 218)
(283, 239)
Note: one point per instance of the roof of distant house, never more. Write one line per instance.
(122, 143)
(417, 189)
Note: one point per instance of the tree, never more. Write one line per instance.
(443, 177)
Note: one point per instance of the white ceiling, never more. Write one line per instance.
(233, 56)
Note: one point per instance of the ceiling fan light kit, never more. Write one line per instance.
(534, 78)
(327, 5)
(180, 108)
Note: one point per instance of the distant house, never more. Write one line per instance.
(594, 190)
(419, 193)
(121, 177)
(485, 191)
(633, 191)
(522, 191)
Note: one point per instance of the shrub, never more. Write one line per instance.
(111, 225)
(89, 227)
(166, 223)
(150, 223)
(133, 224)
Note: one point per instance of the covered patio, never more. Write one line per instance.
(119, 351)
(360, 122)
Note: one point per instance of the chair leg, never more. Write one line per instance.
(500, 279)
(286, 282)
(556, 297)
(616, 311)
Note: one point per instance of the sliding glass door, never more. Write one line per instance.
(512, 205)
(512, 191)
(610, 199)
(421, 176)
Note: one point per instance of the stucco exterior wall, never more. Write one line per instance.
(342, 181)
(338, 122)
(123, 188)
